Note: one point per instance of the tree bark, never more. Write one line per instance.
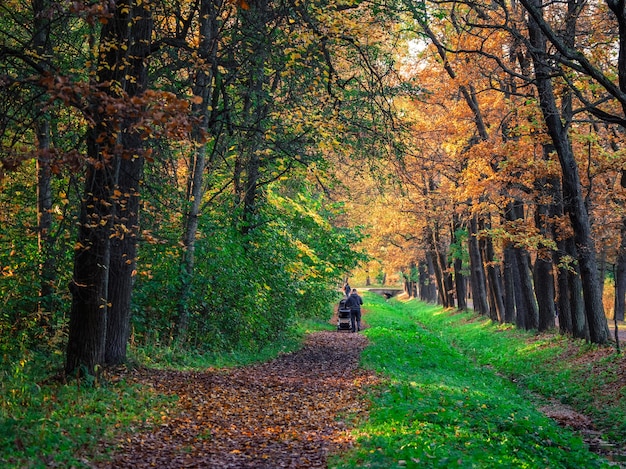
(448, 282)
(526, 293)
(617, 7)
(459, 278)
(620, 274)
(127, 196)
(254, 110)
(509, 284)
(91, 303)
(543, 270)
(89, 286)
(570, 307)
(47, 274)
(544, 290)
(442, 276)
(204, 88)
(526, 309)
(479, 288)
(494, 280)
(574, 202)
(563, 303)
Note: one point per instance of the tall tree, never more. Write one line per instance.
(575, 206)
(126, 192)
(42, 46)
(105, 250)
(205, 108)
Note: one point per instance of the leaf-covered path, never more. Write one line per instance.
(283, 414)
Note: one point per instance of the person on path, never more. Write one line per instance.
(354, 302)
(347, 289)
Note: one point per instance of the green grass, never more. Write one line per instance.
(440, 406)
(45, 423)
(175, 358)
(545, 364)
(446, 399)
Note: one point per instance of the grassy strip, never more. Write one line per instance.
(45, 423)
(50, 424)
(437, 408)
(574, 372)
(174, 358)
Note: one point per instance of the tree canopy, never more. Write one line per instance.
(205, 173)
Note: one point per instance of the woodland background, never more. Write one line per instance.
(203, 174)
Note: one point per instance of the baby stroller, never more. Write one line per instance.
(343, 313)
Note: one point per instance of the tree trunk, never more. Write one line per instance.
(432, 257)
(422, 280)
(479, 288)
(431, 284)
(617, 7)
(620, 274)
(543, 273)
(526, 309)
(204, 88)
(577, 303)
(574, 202)
(255, 108)
(89, 286)
(526, 293)
(442, 276)
(459, 285)
(435, 278)
(412, 287)
(509, 284)
(123, 260)
(494, 280)
(570, 307)
(544, 290)
(44, 216)
(459, 278)
(47, 274)
(86, 348)
(564, 305)
(448, 282)
(127, 197)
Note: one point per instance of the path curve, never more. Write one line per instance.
(283, 414)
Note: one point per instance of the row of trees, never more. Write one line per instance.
(514, 168)
(186, 158)
(181, 154)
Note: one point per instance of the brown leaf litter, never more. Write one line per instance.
(288, 413)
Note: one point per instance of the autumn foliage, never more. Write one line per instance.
(199, 173)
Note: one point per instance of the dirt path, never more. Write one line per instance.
(288, 413)
(283, 414)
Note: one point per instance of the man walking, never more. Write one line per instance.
(354, 302)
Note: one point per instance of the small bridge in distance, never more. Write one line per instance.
(386, 292)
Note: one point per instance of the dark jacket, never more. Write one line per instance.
(354, 302)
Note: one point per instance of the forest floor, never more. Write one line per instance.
(290, 412)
